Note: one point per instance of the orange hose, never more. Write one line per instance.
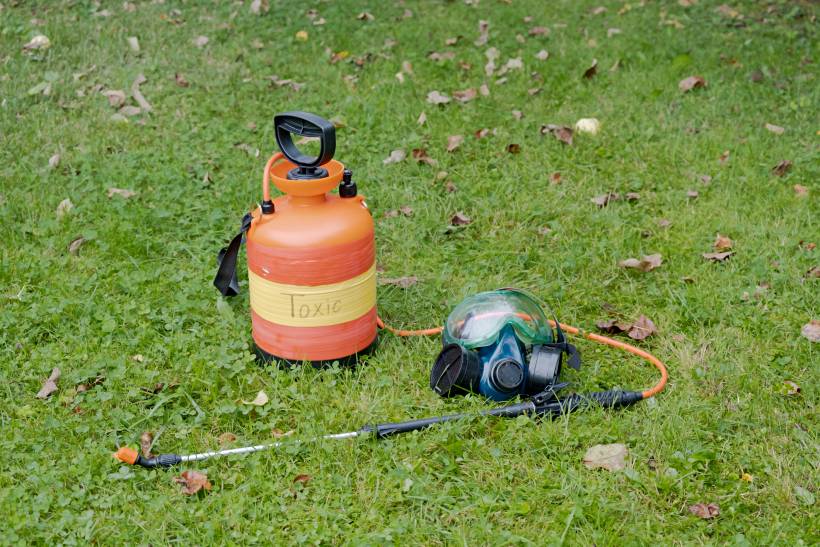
(645, 355)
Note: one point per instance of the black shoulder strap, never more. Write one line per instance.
(225, 279)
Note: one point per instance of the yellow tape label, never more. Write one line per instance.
(318, 306)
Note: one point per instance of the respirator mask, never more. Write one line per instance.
(500, 344)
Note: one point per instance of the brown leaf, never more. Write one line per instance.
(434, 97)
(645, 264)
(592, 70)
(130, 110)
(722, 243)
(64, 207)
(420, 155)
(718, 257)
(259, 7)
(201, 41)
(483, 90)
(481, 133)
(483, 33)
(450, 187)
(123, 193)
(690, 83)
(811, 331)
(50, 385)
(782, 168)
(491, 54)
(278, 434)
(560, 132)
(192, 482)
(422, 119)
(513, 148)
(813, 272)
(460, 219)
(395, 157)
(800, 190)
(452, 41)
(226, 438)
(517, 114)
(664, 223)
(146, 442)
(606, 456)
(724, 157)
(401, 282)
(446, 56)
(692, 194)
(303, 479)
(365, 16)
(542, 55)
(604, 199)
(454, 141)
(539, 31)
(75, 244)
(180, 80)
(704, 510)
(790, 388)
(642, 328)
(613, 326)
(632, 196)
(465, 95)
(116, 97)
(776, 129)
(54, 161)
(555, 178)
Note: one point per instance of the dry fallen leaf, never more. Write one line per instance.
(133, 43)
(402, 282)
(724, 157)
(782, 168)
(811, 331)
(542, 55)
(259, 7)
(800, 190)
(422, 119)
(513, 148)
(261, 399)
(592, 70)
(465, 95)
(555, 178)
(491, 54)
(704, 510)
(776, 129)
(446, 56)
(201, 41)
(460, 219)
(130, 111)
(123, 193)
(116, 97)
(560, 132)
(481, 133)
(54, 161)
(645, 264)
(588, 125)
(722, 243)
(642, 328)
(39, 42)
(664, 223)
(692, 194)
(226, 438)
(395, 157)
(137, 94)
(50, 385)
(790, 388)
(278, 434)
(613, 326)
(718, 257)
(146, 442)
(434, 97)
(75, 244)
(690, 83)
(517, 114)
(365, 16)
(303, 479)
(454, 141)
(180, 80)
(539, 31)
(420, 155)
(192, 482)
(483, 33)
(64, 207)
(606, 456)
(604, 199)
(632, 196)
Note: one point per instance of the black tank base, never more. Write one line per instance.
(349, 362)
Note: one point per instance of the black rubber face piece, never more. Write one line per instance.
(507, 376)
(456, 370)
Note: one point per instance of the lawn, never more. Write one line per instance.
(114, 287)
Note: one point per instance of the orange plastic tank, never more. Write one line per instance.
(311, 253)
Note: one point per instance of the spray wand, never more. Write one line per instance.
(544, 404)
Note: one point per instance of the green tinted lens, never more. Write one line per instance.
(477, 321)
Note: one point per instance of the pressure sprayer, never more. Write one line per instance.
(311, 272)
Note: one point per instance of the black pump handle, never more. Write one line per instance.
(305, 124)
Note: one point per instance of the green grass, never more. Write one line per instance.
(141, 283)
